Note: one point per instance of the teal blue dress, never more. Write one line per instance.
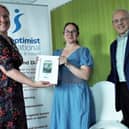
(71, 105)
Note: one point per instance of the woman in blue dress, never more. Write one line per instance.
(72, 103)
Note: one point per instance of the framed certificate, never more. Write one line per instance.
(47, 68)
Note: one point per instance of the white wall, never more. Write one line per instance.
(56, 3)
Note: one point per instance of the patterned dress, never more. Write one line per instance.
(12, 108)
(72, 106)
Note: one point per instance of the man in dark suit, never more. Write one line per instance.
(119, 51)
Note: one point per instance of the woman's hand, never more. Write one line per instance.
(42, 84)
(62, 60)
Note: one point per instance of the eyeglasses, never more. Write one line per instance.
(70, 32)
(116, 21)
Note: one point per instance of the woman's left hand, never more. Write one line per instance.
(62, 60)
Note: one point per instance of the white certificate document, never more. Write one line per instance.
(47, 68)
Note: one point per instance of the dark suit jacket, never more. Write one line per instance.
(113, 76)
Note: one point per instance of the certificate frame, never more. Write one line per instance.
(47, 68)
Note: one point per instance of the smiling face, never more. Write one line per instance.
(70, 34)
(120, 21)
(4, 20)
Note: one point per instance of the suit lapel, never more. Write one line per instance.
(114, 51)
(127, 51)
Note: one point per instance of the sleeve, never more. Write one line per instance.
(56, 52)
(86, 58)
(6, 59)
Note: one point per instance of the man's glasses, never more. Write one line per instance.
(116, 21)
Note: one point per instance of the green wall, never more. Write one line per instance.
(94, 18)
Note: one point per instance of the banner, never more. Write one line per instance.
(30, 30)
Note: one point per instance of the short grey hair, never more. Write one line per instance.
(121, 10)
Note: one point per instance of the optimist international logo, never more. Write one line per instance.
(17, 20)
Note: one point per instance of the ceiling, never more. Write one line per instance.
(26, 1)
(51, 3)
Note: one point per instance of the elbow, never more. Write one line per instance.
(85, 77)
(86, 73)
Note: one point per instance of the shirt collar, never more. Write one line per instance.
(123, 36)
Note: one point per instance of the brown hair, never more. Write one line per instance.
(4, 7)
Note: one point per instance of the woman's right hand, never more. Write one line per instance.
(42, 84)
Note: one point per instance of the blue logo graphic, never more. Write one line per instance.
(17, 20)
